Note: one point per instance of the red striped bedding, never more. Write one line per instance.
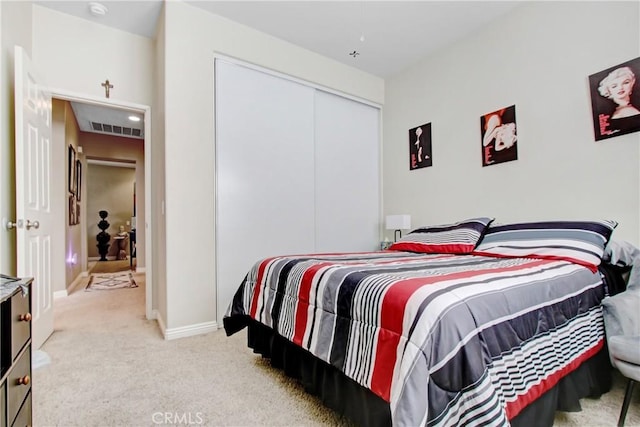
(445, 339)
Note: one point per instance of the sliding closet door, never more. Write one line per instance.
(264, 172)
(347, 147)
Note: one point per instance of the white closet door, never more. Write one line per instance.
(347, 146)
(264, 172)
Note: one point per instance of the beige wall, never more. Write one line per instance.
(550, 49)
(77, 55)
(191, 39)
(74, 240)
(64, 133)
(159, 254)
(15, 29)
(109, 188)
(538, 57)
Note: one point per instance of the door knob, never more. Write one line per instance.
(34, 224)
(10, 225)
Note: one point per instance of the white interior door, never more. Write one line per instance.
(264, 172)
(347, 174)
(33, 192)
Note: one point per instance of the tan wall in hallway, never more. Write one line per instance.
(65, 133)
(116, 148)
(109, 188)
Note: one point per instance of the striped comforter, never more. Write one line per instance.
(445, 339)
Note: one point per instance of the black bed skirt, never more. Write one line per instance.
(346, 397)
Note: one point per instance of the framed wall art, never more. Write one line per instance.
(72, 169)
(72, 210)
(420, 155)
(499, 136)
(78, 180)
(615, 100)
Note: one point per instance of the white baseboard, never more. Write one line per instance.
(108, 257)
(160, 321)
(60, 294)
(79, 278)
(187, 331)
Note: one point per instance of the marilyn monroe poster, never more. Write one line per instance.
(615, 100)
(499, 136)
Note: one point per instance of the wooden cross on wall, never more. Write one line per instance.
(106, 86)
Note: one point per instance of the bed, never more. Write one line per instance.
(458, 324)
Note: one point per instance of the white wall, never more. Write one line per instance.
(191, 38)
(537, 57)
(159, 254)
(15, 29)
(78, 55)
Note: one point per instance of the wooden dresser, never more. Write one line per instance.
(15, 351)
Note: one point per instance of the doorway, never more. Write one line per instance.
(142, 219)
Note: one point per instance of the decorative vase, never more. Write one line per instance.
(103, 237)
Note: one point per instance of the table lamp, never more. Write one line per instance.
(397, 223)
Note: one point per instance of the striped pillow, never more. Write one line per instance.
(580, 242)
(458, 238)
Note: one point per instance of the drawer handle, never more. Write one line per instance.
(24, 380)
(25, 317)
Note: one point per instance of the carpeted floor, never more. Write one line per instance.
(111, 367)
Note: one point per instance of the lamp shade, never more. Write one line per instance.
(398, 222)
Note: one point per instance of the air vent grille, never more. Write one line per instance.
(116, 130)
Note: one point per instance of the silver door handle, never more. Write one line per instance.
(10, 225)
(34, 224)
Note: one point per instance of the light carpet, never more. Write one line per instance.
(111, 367)
(111, 266)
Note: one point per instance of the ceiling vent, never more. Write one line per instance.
(116, 130)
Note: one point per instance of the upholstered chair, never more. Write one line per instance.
(622, 320)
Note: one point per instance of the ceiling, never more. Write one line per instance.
(108, 121)
(388, 36)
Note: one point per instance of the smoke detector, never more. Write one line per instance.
(98, 9)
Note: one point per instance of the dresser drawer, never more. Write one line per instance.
(20, 322)
(3, 405)
(18, 384)
(23, 419)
